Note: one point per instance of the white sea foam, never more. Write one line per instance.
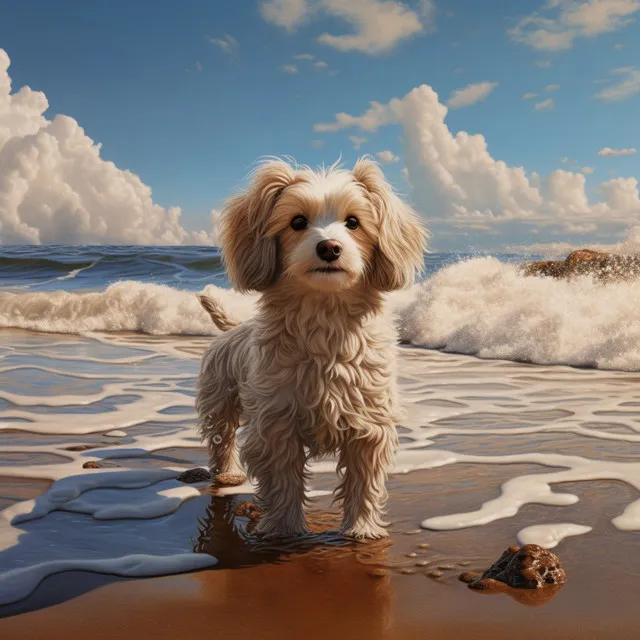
(478, 306)
(489, 309)
(550, 535)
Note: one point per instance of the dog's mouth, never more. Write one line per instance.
(327, 270)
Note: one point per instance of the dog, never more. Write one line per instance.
(313, 372)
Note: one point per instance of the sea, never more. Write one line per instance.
(99, 352)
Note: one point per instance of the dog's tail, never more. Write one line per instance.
(217, 313)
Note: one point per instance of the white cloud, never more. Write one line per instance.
(228, 44)
(456, 181)
(564, 160)
(387, 157)
(545, 105)
(291, 69)
(607, 152)
(470, 94)
(55, 187)
(529, 96)
(619, 46)
(628, 86)
(565, 20)
(552, 87)
(304, 56)
(587, 171)
(378, 25)
(543, 64)
(286, 13)
(320, 64)
(357, 141)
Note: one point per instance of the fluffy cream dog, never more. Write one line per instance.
(313, 373)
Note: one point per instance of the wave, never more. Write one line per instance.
(486, 308)
(478, 306)
(20, 264)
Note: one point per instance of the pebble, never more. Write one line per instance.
(412, 532)
(94, 464)
(422, 563)
(407, 571)
(445, 567)
(424, 545)
(413, 554)
(435, 574)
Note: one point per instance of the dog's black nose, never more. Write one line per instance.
(329, 250)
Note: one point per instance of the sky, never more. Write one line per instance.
(506, 123)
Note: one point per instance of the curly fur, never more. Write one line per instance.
(313, 373)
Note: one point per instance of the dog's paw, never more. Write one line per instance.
(229, 479)
(365, 531)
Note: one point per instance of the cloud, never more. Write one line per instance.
(304, 56)
(357, 141)
(559, 22)
(545, 105)
(228, 44)
(543, 64)
(552, 87)
(619, 46)
(564, 160)
(291, 69)
(387, 157)
(377, 25)
(470, 94)
(628, 86)
(458, 184)
(609, 153)
(286, 13)
(529, 96)
(320, 64)
(587, 171)
(55, 187)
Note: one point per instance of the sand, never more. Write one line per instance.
(369, 590)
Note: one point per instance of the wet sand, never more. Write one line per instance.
(372, 590)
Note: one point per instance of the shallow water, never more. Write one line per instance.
(117, 366)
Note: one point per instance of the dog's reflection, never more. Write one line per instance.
(312, 586)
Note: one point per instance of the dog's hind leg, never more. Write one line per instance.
(218, 407)
(363, 467)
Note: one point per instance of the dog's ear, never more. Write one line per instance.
(251, 256)
(402, 239)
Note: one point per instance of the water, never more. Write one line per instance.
(101, 346)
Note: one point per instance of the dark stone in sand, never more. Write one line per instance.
(195, 475)
(94, 464)
(528, 567)
(604, 266)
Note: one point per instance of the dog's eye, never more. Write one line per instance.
(299, 223)
(352, 222)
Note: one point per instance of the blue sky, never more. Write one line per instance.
(187, 95)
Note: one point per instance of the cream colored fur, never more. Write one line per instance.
(313, 373)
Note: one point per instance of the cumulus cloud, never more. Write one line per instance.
(457, 182)
(377, 25)
(545, 105)
(470, 94)
(55, 187)
(607, 152)
(587, 170)
(628, 85)
(387, 157)
(228, 44)
(560, 22)
(552, 87)
(529, 96)
(357, 141)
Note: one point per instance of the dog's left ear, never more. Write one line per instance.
(402, 239)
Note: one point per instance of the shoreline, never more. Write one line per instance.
(364, 590)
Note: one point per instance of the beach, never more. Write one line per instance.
(519, 426)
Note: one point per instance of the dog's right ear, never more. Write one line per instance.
(251, 256)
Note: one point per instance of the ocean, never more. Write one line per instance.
(99, 353)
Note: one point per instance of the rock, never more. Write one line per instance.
(424, 545)
(84, 447)
(436, 573)
(192, 476)
(411, 554)
(528, 567)
(604, 266)
(408, 571)
(95, 464)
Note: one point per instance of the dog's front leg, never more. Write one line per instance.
(363, 467)
(277, 463)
